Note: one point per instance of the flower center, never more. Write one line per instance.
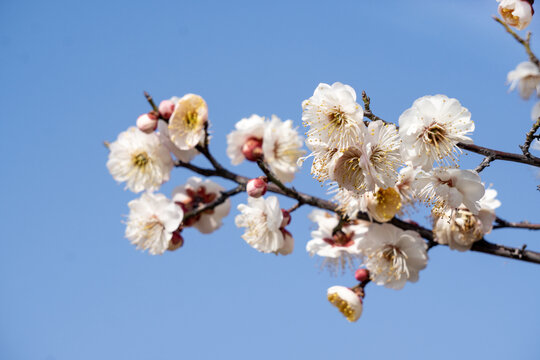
(388, 203)
(435, 134)
(342, 305)
(396, 260)
(337, 117)
(340, 239)
(140, 159)
(191, 119)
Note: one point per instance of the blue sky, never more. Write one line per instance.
(73, 74)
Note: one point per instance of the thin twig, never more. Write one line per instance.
(485, 163)
(501, 155)
(529, 138)
(294, 207)
(525, 42)
(501, 224)
(151, 101)
(220, 200)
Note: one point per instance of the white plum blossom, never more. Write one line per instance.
(187, 122)
(152, 220)
(349, 203)
(323, 159)
(460, 229)
(526, 76)
(197, 193)
(374, 162)
(339, 250)
(407, 175)
(347, 301)
(431, 129)
(182, 155)
(262, 219)
(247, 128)
(140, 160)
(282, 147)
(516, 13)
(447, 189)
(334, 117)
(393, 256)
(383, 204)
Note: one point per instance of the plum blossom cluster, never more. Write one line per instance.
(377, 172)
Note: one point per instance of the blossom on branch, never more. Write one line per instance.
(431, 129)
(334, 117)
(182, 155)
(516, 13)
(282, 147)
(197, 193)
(446, 189)
(526, 76)
(248, 130)
(152, 220)
(347, 301)
(393, 256)
(140, 160)
(262, 219)
(339, 249)
(187, 122)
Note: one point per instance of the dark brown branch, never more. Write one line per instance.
(501, 224)
(506, 251)
(151, 101)
(220, 200)
(272, 178)
(529, 138)
(501, 155)
(525, 42)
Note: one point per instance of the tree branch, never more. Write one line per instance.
(525, 42)
(220, 200)
(501, 224)
(529, 137)
(501, 155)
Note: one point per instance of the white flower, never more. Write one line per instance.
(152, 220)
(334, 117)
(383, 204)
(323, 159)
(140, 160)
(339, 250)
(247, 128)
(347, 301)
(350, 203)
(186, 125)
(431, 129)
(182, 155)
(262, 220)
(526, 77)
(197, 193)
(393, 256)
(282, 147)
(516, 13)
(372, 163)
(288, 243)
(447, 189)
(535, 112)
(405, 181)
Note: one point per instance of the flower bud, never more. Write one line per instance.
(252, 149)
(176, 241)
(147, 123)
(166, 108)
(286, 218)
(361, 275)
(256, 187)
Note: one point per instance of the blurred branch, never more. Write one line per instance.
(501, 223)
(525, 42)
(529, 137)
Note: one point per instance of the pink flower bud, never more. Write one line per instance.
(286, 218)
(252, 149)
(166, 108)
(147, 122)
(176, 241)
(256, 187)
(361, 275)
